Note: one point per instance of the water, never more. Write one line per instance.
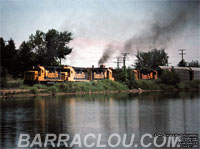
(164, 112)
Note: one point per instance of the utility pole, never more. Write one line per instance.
(124, 60)
(118, 62)
(182, 53)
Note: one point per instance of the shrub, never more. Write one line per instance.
(127, 77)
(147, 84)
(11, 83)
(3, 81)
(52, 90)
(40, 86)
(169, 77)
(100, 85)
(34, 90)
(194, 84)
(167, 87)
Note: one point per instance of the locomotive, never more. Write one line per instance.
(53, 74)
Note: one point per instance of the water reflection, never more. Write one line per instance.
(100, 114)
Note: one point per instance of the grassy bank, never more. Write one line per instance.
(159, 85)
(97, 86)
(69, 87)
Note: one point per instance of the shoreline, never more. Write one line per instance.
(11, 93)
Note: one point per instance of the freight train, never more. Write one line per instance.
(53, 74)
(184, 73)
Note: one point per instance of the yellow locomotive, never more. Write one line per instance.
(145, 74)
(41, 74)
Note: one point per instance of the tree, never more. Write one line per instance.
(170, 77)
(25, 58)
(38, 46)
(63, 50)
(151, 59)
(2, 51)
(42, 48)
(51, 46)
(194, 64)
(182, 63)
(8, 54)
(127, 77)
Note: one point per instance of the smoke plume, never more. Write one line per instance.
(168, 23)
(108, 52)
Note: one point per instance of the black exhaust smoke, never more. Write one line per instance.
(169, 22)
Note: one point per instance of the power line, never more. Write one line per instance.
(182, 53)
(124, 60)
(118, 62)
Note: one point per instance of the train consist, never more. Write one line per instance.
(184, 73)
(41, 74)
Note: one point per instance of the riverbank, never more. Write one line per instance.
(95, 87)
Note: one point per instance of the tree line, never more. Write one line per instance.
(41, 48)
(49, 48)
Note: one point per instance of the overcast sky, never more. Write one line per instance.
(94, 25)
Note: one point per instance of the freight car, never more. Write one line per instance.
(41, 74)
(184, 73)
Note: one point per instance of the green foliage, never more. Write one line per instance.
(93, 86)
(130, 79)
(64, 87)
(50, 46)
(24, 59)
(167, 87)
(53, 90)
(126, 77)
(169, 77)
(112, 85)
(194, 84)
(151, 59)
(15, 84)
(147, 84)
(8, 54)
(42, 48)
(11, 82)
(40, 86)
(34, 90)
(3, 77)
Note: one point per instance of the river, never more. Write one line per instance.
(102, 114)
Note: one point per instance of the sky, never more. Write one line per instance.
(95, 24)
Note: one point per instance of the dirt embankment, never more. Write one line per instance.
(16, 93)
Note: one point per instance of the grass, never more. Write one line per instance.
(92, 86)
(185, 85)
(34, 90)
(12, 83)
(40, 86)
(147, 84)
(52, 90)
(101, 85)
(158, 85)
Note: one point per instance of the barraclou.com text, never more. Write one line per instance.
(97, 140)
